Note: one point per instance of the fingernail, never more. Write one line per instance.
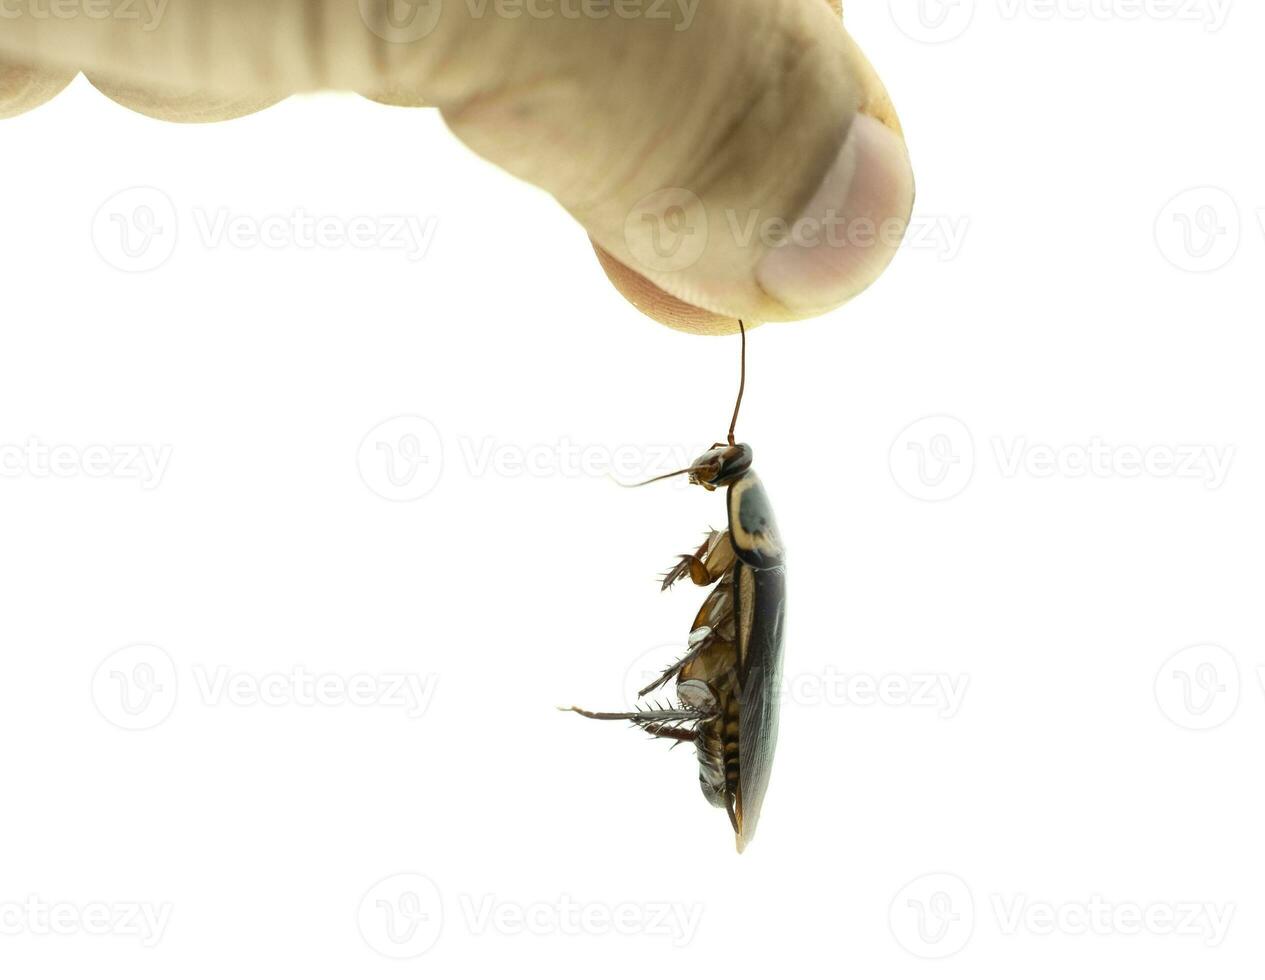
(852, 227)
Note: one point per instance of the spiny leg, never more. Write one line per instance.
(697, 644)
(713, 558)
(691, 565)
(660, 717)
(674, 733)
(656, 724)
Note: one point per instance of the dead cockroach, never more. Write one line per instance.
(727, 682)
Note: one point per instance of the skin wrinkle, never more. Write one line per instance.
(637, 159)
(715, 164)
(727, 149)
(641, 156)
(735, 139)
(517, 101)
(314, 29)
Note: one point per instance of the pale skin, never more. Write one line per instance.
(728, 158)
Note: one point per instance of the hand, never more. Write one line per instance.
(728, 158)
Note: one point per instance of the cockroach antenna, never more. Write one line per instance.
(742, 381)
(733, 422)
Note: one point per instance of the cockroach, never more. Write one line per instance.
(728, 680)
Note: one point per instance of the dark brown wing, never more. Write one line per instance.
(762, 593)
(759, 616)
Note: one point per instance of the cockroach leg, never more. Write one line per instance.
(713, 558)
(697, 644)
(691, 565)
(665, 716)
(676, 734)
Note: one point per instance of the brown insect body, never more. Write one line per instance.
(727, 681)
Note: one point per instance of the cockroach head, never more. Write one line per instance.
(720, 466)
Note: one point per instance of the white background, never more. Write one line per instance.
(1078, 354)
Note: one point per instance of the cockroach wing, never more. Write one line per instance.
(760, 607)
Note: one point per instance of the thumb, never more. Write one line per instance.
(729, 158)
